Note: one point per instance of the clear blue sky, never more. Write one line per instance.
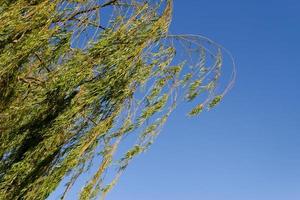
(248, 148)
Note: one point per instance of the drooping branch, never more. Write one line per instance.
(87, 86)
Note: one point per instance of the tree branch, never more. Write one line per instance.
(93, 8)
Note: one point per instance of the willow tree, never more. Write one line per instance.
(78, 76)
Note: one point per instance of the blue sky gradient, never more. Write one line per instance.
(248, 147)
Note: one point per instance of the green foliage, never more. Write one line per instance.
(196, 110)
(215, 101)
(72, 87)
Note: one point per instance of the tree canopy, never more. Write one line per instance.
(78, 76)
